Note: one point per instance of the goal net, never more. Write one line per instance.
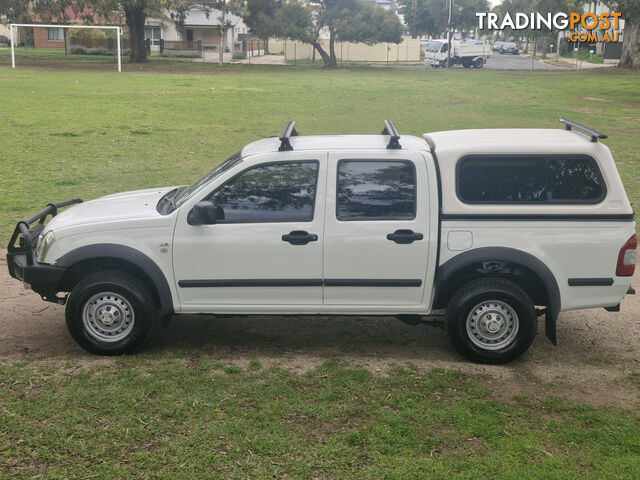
(54, 29)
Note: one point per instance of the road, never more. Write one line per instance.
(496, 61)
(499, 61)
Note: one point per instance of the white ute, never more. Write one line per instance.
(497, 227)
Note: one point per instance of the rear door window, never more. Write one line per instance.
(376, 190)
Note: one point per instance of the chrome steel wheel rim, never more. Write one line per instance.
(108, 317)
(492, 325)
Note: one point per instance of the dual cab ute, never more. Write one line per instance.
(497, 227)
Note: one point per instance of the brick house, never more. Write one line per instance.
(53, 37)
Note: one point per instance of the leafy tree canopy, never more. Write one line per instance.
(345, 20)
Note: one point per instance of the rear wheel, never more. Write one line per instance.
(110, 313)
(478, 63)
(491, 321)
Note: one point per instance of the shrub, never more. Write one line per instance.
(80, 50)
(180, 54)
(86, 34)
(239, 56)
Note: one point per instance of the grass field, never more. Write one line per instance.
(171, 418)
(80, 133)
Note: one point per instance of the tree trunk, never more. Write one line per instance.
(221, 48)
(321, 51)
(223, 32)
(631, 44)
(332, 50)
(134, 10)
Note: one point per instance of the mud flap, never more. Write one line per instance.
(550, 327)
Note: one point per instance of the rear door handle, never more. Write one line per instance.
(299, 237)
(404, 237)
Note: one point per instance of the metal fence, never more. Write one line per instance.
(183, 45)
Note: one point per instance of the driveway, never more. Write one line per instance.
(594, 362)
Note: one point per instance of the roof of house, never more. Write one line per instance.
(201, 16)
(72, 15)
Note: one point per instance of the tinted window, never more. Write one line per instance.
(374, 190)
(277, 192)
(501, 179)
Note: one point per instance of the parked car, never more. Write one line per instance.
(471, 53)
(508, 47)
(496, 46)
(497, 227)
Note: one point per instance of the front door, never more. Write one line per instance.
(267, 248)
(376, 229)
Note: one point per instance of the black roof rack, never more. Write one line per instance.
(391, 130)
(568, 124)
(289, 131)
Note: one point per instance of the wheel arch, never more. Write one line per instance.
(117, 257)
(529, 272)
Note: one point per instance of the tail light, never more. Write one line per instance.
(627, 258)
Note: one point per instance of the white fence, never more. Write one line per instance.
(406, 51)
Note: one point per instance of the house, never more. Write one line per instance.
(53, 37)
(4, 33)
(202, 26)
(610, 50)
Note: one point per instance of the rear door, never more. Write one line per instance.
(376, 242)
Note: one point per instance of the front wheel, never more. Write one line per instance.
(491, 321)
(110, 313)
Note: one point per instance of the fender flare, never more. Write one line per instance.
(450, 268)
(128, 254)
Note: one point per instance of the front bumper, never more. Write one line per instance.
(40, 277)
(21, 253)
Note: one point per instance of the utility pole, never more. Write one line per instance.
(449, 33)
(414, 5)
(223, 31)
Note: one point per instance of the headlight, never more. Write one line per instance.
(44, 245)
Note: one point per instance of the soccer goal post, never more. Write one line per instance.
(38, 25)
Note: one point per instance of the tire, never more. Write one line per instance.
(126, 307)
(478, 63)
(491, 320)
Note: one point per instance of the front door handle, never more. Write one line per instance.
(404, 237)
(299, 237)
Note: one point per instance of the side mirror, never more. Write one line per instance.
(205, 213)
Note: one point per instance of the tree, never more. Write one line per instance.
(630, 10)
(14, 11)
(344, 20)
(431, 16)
(136, 13)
